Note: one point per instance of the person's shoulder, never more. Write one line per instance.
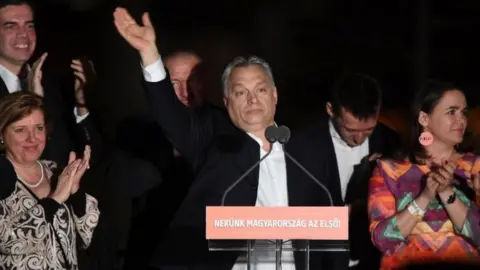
(394, 165)
(469, 162)
(8, 177)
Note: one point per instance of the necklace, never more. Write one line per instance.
(39, 181)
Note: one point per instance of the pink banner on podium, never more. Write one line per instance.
(302, 223)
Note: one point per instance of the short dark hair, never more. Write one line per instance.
(425, 100)
(4, 3)
(16, 106)
(357, 93)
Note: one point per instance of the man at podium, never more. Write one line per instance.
(220, 146)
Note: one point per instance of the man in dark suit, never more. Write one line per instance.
(220, 147)
(353, 140)
(69, 128)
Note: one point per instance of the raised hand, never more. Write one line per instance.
(84, 73)
(35, 76)
(84, 165)
(142, 38)
(65, 180)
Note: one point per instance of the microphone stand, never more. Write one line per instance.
(270, 134)
(283, 137)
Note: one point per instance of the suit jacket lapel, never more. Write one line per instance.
(331, 165)
(3, 89)
(247, 154)
(374, 141)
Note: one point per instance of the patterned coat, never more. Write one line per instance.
(40, 233)
(392, 187)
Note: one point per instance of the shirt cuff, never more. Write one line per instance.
(155, 72)
(79, 118)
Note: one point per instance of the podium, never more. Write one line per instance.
(253, 229)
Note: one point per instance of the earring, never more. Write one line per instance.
(426, 138)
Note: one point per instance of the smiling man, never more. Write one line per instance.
(17, 40)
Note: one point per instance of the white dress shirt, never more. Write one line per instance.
(272, 189)
(347, 158)
(13, 84)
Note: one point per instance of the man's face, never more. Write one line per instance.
(252, 99)
(17, 35)
(180, 67)
(354, 131)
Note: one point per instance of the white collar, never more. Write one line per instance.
(276, 146)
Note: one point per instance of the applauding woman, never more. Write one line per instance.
(40, 215)
(421, 206)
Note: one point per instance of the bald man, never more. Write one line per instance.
(182, 67)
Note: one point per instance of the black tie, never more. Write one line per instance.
(23, 76)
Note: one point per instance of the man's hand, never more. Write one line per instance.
(35, 76)
(142, 38)
(374, 156)
(84, 73)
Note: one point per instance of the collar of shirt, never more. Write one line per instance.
(11, 80)
(275, 147)
(337, 139)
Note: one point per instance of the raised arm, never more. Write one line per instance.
(190, 131)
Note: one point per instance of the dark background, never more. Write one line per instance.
(307, 42)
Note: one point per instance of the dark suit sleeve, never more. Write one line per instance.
(189, 130)
(74, 136)
(85, 133)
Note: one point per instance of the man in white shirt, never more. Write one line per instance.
(17, 44)
(221, 146)
(355, 141)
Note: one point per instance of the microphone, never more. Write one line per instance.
(283, 136)
(271, 136)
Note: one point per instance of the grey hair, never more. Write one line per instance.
(244, 62)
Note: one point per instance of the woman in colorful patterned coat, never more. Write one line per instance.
(422, 205)
(41, 216)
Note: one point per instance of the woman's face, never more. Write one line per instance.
(447, 121)
(25, 139)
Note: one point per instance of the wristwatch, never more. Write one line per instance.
(451, 199)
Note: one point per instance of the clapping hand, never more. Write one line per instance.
(35, 76)
(69, 179)
(84, 73)
(444, 175)
(83, 167)
(430, 190)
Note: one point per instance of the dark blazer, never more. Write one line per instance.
(219, 153)
(65, 134)
(384, 141)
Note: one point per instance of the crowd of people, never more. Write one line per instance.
(412, 189)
